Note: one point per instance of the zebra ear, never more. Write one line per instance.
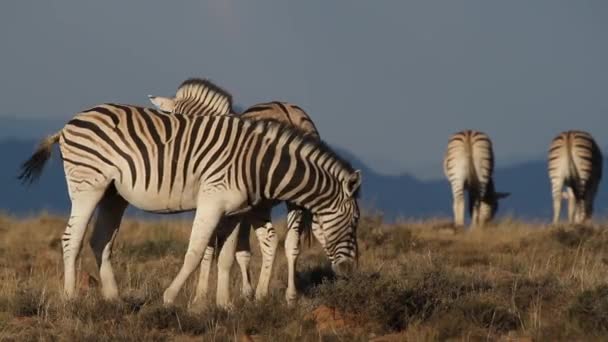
(163, 103)
(353, 183)
(500, 195)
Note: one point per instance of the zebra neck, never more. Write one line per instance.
(310, 183)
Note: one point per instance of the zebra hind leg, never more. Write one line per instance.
(83, 206)
(569, 194)
(556, 192)
(458, 205)
(205, 269)
(225, 260)
(109, 215)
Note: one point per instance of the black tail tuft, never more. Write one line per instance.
(32, 168)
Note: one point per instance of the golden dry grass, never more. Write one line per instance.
(416, 281)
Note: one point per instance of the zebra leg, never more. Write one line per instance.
(208, 215)
(474, 206)
(581, 196)
(579, 213)
(205, 269)
(296, 222)
(268, 244)
(571, 204)
(224, 262)
(243, 258)
(83, 206)
(109, 215)
(458, 204)
(556, 192)
(589, 199)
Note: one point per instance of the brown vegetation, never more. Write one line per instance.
(416, 281)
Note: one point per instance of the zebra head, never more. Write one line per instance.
(165, 104)
(489, 205)
(336, 228)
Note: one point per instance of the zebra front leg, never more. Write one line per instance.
(580, 211)
(225, 260)
(268, 244)
(207, 216)
(109, 216)
(83, 206)
(474, 208)
(243, 258)
(296, 222)
(589, 199)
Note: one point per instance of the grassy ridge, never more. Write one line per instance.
(416, 280)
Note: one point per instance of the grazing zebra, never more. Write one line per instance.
(115, 155)
(194, 102)
(575, 161)
(468, 164)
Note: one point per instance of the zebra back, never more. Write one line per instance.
(284, 112)
(471, 150)
(575, 155)
(196, 96)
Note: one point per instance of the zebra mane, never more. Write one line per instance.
(287, 130)
(203, 91)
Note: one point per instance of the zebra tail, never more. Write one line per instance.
(306, 227)
(32, 168)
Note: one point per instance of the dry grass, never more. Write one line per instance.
(416, 281)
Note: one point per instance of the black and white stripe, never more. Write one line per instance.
(219, 165)
(575, 161)
(469, 164)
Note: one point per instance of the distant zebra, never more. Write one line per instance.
(468, 165)
(191, 99)
(575, 161)
(115, 155)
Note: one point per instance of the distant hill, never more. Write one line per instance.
(395, 196)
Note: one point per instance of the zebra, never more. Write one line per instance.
(574, 161)
(468, 165)
(191, 99)
(219, 166)
(197, 97)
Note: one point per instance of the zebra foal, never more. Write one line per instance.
(574, 161)
(468, 165)
(115, 155)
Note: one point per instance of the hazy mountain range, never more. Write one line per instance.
(395, 196)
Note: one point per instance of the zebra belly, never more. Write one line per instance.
(161, 202)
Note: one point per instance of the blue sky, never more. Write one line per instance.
(387, 80)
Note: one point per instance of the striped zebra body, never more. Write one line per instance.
(574, 161)
(115, 155)
(284, 112)
(194, 102)
(469, 164)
